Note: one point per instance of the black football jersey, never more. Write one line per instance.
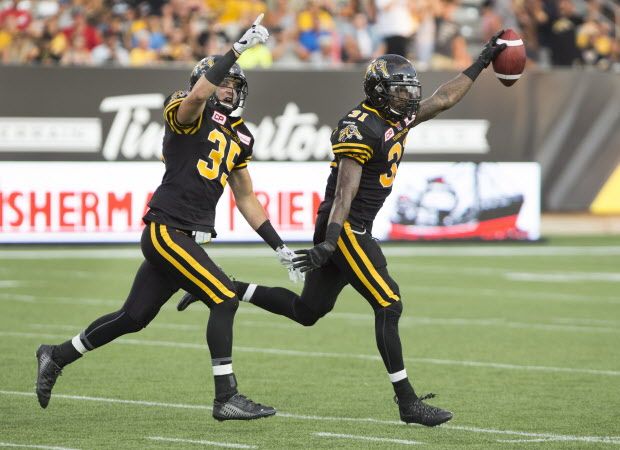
(199, 157)
(377, 144)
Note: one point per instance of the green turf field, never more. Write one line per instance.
(521, 342)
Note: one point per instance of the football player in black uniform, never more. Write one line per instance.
(203, 149)
(368, 146)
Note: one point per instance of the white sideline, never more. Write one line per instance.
(366, 438)
(597, 439)
(199, 442)
(45, 447)
(389, 250)
(306, 354)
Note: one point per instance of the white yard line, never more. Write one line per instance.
(199, 442)
(46, 447)
(308, 354)
(365, 438)
(563, 277)
(597, 439)
(486, 250)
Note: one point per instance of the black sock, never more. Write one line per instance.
(225, 387)
(276, 300)
(240, 288)
(403, 390)
(65, 353)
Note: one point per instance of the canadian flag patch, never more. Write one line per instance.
(244, 138)
(219, 117)
(389, 134)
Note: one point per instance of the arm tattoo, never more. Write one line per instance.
(445, 97)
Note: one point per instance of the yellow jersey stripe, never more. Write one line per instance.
(173, 104)
(180, 268)
(237, 122)
(353, 145)
(170, 115)
(373, 272)
(195, 264)
(351, 150)
(359, 273)
(378, 114)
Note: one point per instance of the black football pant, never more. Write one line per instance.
(358, 261)
(173, 261)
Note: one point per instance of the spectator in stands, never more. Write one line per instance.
(450, 46)
(425, 34)
(110, 51)
(77, 54)
(530, 14)
(490, 21)
(286, 51)
(142, 54)
(395, 25)
(359, 44)
(563, 35)
(22, 17)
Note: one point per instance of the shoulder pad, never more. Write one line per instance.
(175, 95)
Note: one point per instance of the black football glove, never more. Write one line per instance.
(313, 258)
(491, 50)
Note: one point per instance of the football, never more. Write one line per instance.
(509, 64)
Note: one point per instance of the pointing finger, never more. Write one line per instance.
(258, 20)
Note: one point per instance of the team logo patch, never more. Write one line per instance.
(218, 118)
(389, 134)
(348, 132)
(244, 138)
(379, 67)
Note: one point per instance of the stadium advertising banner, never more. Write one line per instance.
(115, 114)
(90, 202)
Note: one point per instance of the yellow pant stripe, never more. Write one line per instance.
(180, 268)
(195, 264)
(359, 273)
(373, 272)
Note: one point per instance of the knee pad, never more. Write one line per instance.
(304, 315)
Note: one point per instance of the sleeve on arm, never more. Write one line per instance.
(171, 107)
(246, 141)
(352, 141)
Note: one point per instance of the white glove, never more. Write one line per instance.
(256, 34)
(285, 256)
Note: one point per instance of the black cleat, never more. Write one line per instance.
(185, 301)
(239, 407)
(417, 411)
(47, 373)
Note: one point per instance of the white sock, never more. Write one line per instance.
(223, 369)
(249, 292)
(77, 344)
(397, 376)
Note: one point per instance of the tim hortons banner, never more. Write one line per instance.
(91, 202)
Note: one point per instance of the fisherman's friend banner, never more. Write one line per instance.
(91, 202)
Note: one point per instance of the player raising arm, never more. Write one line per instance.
(368, 146)
(204, 147)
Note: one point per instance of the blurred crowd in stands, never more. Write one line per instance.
(436, 34)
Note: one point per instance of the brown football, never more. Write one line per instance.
(509, 64)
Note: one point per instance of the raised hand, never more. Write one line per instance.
(491, 50)
(256, 34)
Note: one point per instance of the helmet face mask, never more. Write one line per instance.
(235, 81)
(391, 85)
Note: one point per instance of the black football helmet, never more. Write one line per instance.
(391, 85)
(235, 73)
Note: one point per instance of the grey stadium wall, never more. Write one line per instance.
(566, 120)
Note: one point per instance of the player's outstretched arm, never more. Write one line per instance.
(254, 213)
(349, 176)
(193, 105)
(450, 93)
